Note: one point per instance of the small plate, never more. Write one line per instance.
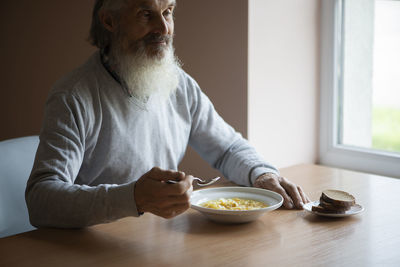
(274, 201)
(355, 209)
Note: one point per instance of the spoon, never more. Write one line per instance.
(200, 182)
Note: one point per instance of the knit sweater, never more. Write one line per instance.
(96, 142)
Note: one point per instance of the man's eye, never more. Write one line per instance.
(168, 12)
(145, 14)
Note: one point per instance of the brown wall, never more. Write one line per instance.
(43, 39)
(211, 40)
(40, 41)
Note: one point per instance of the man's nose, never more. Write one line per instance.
(161, 25)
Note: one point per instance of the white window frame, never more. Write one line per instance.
(332, 153)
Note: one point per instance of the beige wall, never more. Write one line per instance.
(284, 79)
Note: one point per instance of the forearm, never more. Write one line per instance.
(53, 203)
(242, 164)
(221, 146)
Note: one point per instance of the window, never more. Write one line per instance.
(360, 85)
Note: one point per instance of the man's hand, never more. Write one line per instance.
(153, 193)
(293, 195)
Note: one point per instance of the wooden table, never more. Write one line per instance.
(280, 238)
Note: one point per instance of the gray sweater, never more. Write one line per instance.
(96, 141)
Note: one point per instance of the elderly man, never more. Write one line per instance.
(116, 128)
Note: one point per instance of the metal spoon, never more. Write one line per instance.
(200, 182)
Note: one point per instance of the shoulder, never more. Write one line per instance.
(187, 82)
(188, 87)
(81, 83)
(190, 92)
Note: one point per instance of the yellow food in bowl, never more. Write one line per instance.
(234, 204)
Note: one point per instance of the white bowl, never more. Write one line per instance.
(272, 199)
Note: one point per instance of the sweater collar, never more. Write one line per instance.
(105, 60)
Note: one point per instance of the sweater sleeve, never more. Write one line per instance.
(221, 146)
(52, 198)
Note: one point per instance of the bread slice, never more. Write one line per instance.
(330, 207)
(323, 210)
(337, 198)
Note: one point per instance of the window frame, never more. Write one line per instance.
(332, 153)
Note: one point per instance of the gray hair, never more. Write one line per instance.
(98, 35)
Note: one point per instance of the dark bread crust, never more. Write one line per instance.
(336, 202)
(323, 210)
(331, 207)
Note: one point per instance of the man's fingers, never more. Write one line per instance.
(179, 188)
(271, 182)
(159, 174)
(293, 195)
(167, 203)
(293, 192)
(303, 195)
(153, 193)
(287, 201)
(160, 177)
(163, 189)
(181, 199)
(173, 210)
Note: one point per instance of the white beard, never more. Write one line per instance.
(145, 75)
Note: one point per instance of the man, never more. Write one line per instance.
(116, 128)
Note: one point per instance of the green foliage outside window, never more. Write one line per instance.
(386, 129)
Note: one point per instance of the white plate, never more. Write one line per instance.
(355, 209)
(272, 199)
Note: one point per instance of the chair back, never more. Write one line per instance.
(16, 161)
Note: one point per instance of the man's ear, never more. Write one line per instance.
(107, 19)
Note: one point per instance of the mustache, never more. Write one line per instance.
(156, 38)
